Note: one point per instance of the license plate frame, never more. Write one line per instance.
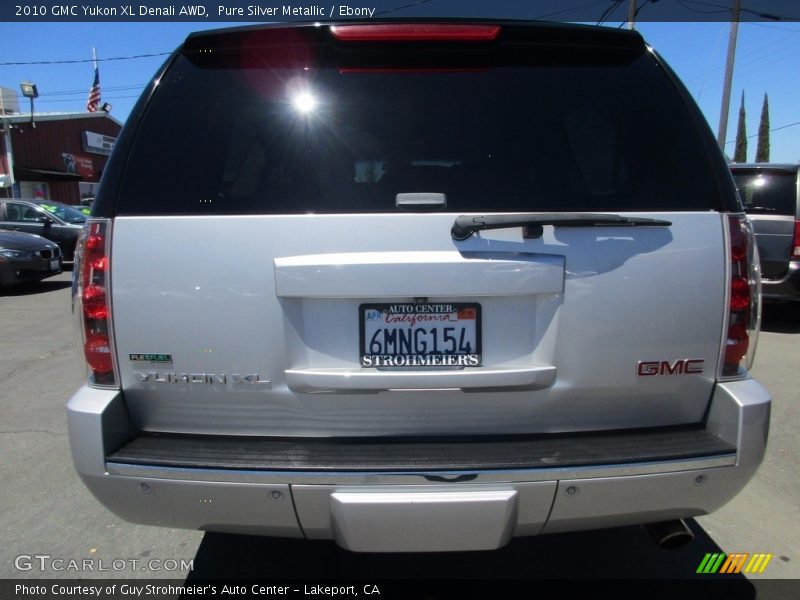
(55, 264)
(431, 313)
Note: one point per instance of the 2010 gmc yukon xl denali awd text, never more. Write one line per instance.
(416, 287)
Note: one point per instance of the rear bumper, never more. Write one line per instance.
(784, 289)
(27, 270)
(416, 496)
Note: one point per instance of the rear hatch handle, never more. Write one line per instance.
(465, 225)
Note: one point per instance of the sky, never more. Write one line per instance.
(767, 62)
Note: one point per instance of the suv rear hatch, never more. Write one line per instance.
(282, 234)
(771, 198)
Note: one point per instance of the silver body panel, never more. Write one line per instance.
(373, 521)
(323, 505)
(560, 349)
(571, 362)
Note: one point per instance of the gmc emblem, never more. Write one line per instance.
(686, 366)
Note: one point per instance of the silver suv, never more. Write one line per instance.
(416, 287)
(771, 197)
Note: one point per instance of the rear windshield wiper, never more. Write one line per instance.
(760, 208)
(465, 225)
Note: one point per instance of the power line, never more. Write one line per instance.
(783, 126)
(569, 10)
(771, 62)
(118, 88)
(723, 8)
(635, 13)
(86, 60)
(755, 58)
(749, 59)
(78, 99)
(771, 130)
(607, 14)
(396, 8)
(755, 68)
(793, 30)
(683, 3)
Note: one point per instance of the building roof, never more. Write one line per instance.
(57, 116)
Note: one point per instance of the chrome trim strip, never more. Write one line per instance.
(343, 380)
(427, 478)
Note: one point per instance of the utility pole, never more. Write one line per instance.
(9, 152)
(726, 89)
(631, 13)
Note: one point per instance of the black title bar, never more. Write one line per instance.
(613, 12)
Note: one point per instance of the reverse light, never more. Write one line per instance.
(744, 303)
(415, 32)
(91, 302)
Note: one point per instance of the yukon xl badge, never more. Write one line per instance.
(234, 381)
(685, 366)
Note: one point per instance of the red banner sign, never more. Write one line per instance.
(79, 164)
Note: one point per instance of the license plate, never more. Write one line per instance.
(420, 335)
(54, 266)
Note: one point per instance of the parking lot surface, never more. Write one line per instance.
(47, 511)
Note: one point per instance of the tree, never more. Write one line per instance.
(762, 149)
(740, 153)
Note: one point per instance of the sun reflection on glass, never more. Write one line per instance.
(304, 102)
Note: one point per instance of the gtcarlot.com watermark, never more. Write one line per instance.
(48, 563)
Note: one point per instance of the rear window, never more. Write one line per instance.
(504, 129)
(767, 192)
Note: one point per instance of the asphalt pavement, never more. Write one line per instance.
(47, 512)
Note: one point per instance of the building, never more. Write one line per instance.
(60, 156)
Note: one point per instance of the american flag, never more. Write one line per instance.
(94, 93)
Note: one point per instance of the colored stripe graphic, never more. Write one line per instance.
(758, 563)
(733, 563)
(711, 563)
(702, 567)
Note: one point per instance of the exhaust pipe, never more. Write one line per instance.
(670, 534)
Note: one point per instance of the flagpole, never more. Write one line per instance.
(91, 106)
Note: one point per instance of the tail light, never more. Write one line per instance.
(744, 299)
(91, 301)
(796, 241)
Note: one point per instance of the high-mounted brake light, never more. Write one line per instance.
(91, 301)
(744, 305)
(796, 241)
(415, 32)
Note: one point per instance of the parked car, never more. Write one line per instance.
(771, 197)
(55, 221)
(85, 210)
(85, 207)
(63, 211)
(25, 257)
(456, 292)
